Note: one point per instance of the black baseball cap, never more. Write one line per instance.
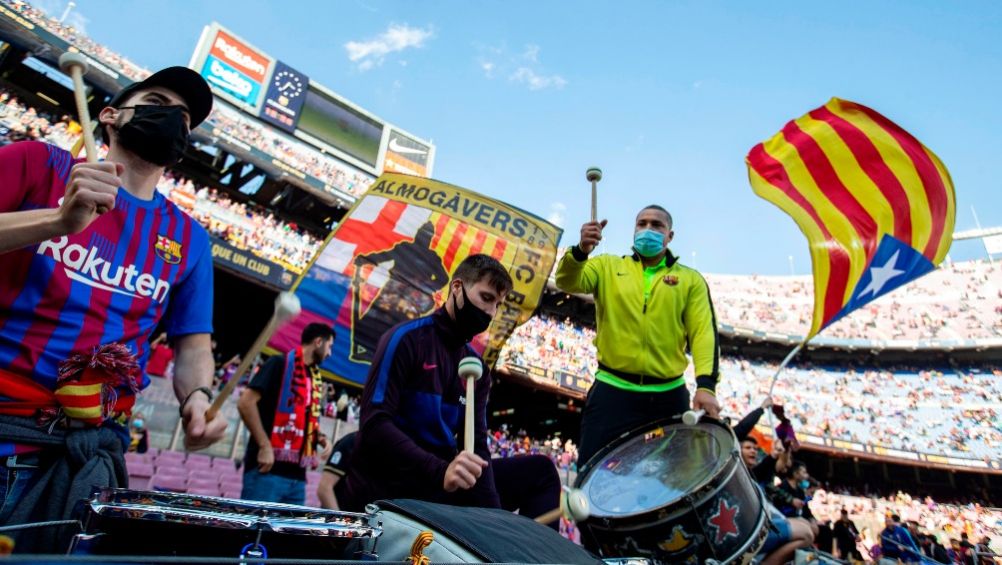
(186, 83)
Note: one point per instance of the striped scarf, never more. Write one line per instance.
(294, 434)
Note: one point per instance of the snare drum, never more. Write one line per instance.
(132, 522)
(673, 493)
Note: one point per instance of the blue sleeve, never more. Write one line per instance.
(190, 308)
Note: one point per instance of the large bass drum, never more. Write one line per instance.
(673, 493)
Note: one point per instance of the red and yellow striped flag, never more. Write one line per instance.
(876, 205)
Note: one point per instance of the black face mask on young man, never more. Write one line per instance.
(470, 319)
(157, 134)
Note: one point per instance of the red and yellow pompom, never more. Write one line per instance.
(92, 387)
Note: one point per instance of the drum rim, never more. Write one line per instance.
(623, 438)
(108, 495)
(113, 503)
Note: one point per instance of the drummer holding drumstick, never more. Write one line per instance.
(412, 442)
(649, 308)
(94, 256)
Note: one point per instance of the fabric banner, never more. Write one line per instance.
(877, 206)
(390, 260)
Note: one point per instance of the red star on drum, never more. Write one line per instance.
(723, 521)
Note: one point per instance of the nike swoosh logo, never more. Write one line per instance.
(397, 148)
(621, 274)
(429, 366)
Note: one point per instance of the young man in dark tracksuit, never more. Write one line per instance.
(411, 429)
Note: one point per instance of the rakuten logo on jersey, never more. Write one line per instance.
(83, 265)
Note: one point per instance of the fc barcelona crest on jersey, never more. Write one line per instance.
(168, 249)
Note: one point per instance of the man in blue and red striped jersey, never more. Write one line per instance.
(92, 254)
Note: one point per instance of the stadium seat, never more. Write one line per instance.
(203, 484)
(170, 457)
(198, 461)
(208, 490)
(172, 483)
(171, 468)
(223, 463)
(133, 458)
(139, 469)
(203, 474)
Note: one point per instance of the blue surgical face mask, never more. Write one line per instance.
(648, 243)
(805, 484)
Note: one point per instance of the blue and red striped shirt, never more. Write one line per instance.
(110, 283)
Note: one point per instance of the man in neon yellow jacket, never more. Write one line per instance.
(649, 310)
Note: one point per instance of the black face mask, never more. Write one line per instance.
(470, 319)
(156, 134)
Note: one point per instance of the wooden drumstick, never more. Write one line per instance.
(76, 66)
(470, 369)
(287, 307)
(573, 506)
(692, 417)
(594, 175)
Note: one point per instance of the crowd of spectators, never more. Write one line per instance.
(76, 38)
(957, 301)
(245, 226)
(21, 122)
(294, 153)
(949, 524)
(552, 344)
(563, 452)
(326, 168)
(950, 411)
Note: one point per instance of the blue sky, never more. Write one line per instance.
(666, 97)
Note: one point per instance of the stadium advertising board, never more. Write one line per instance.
(233, 68)
(407, 155)
(249, 265)
(284, 97)
(334, 122)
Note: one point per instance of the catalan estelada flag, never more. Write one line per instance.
(391, 257)
(876, 205)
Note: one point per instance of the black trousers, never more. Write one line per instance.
(527, 483)
(610, 412)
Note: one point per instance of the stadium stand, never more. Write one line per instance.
(957, 412)
(954, 411)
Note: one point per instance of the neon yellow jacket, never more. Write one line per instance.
(646, 318)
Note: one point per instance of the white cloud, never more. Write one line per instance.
(697, 85)
(371, 53)
(556, 216)
(531, 53)
(520, 68)
(536, 81)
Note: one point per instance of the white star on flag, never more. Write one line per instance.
(880, 275)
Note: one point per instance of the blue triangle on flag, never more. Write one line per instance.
(894, 264)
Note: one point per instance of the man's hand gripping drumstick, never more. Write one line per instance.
(465, 469)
